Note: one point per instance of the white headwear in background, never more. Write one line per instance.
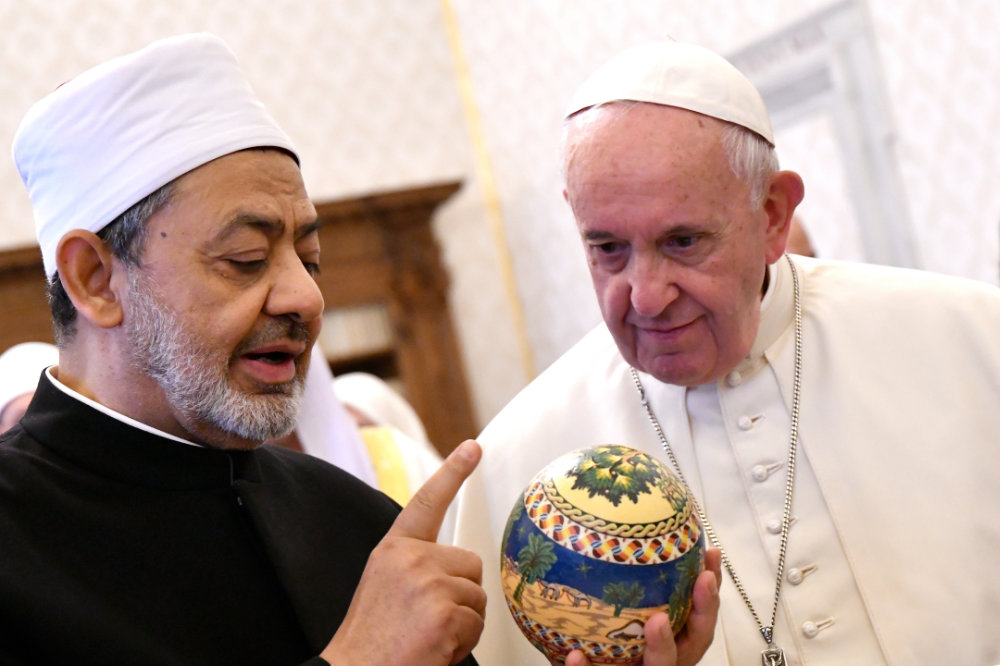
(377, 400)
(677, 74)
(116, 133)
(325, 429)
(21, 366)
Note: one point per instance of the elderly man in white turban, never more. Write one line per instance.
(142, 520)
(838, 423)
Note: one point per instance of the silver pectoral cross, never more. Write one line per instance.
(772, 655)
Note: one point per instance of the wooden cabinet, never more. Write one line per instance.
(24, 312)
(378, 254)
(379, 249)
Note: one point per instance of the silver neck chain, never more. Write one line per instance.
(766, 631)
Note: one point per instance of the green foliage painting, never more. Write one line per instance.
(688, 570)
(620, 595)
(614, 472)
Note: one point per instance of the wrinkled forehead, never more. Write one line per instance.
(613, 129)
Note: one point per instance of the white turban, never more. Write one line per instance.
(111, 136)
(677, 74)
(21, 366)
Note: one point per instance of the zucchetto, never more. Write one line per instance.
(677, 74)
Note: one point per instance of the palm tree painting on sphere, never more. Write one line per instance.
(534, 561)
(621, 595)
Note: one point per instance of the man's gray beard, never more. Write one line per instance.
(195, 379)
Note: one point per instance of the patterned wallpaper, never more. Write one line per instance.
(370, 92)
(942, 67)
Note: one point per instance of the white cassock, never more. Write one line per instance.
(892, 555)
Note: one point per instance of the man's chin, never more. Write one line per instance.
(245, 421)
(677, 370)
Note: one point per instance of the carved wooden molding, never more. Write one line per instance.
(381, 248)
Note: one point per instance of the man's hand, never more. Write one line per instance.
(418, 602)
(694, 639)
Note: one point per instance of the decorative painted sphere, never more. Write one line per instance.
(601, 539)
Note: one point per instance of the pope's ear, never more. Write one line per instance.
(785, 193)
(86, 267)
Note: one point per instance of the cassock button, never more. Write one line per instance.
(796, 574)
(811, 629)
(734, 378)
(774, 525)
(761, 472)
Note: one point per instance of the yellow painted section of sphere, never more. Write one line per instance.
(652, 507)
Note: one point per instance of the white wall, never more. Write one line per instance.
(382, 94)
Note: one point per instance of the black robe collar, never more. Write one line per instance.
(116, 450)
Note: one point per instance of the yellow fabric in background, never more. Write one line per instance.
(390, 469)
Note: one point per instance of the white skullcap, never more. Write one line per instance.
(677, 74)
(111, 136)
(20, 367)
(379, 401)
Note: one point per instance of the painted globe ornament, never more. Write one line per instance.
(601, 539)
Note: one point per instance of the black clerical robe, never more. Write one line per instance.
(121, 547)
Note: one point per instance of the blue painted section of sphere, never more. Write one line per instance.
(590, 575)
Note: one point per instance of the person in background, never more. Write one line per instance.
(376, 401)
(837, 422)
(361, 424)
(326, 428)
(142, 520)
(20, 367)
(401, 453)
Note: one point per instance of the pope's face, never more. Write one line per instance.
(676, 252)
(223, 311)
